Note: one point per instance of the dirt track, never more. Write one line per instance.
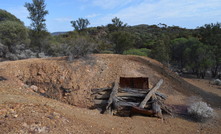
(24, 111)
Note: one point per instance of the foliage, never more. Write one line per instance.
(37, 13)
(210, 34)
(6, 16)
(200, 111)
(80, 47)
(12, 33)
(38, 34)
(80, 24)
(122, 41)
(198, 57)
(140, 52)
(160, 52)
(116, 25)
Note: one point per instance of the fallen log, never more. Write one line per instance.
(100, 102)
(161, 95)
(131, 95)
(126, 104)
(103, 96)
(129, 90)
(100, 90)
(140, 92)
(151, 92)
(137, 110)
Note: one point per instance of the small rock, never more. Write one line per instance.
(15, 116)
(34, 88)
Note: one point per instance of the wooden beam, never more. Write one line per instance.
(151, 92)
(97, 90)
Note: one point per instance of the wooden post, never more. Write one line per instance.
(112, 98)
(156, 107)
(151, 92)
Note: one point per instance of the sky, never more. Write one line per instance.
(183, 13)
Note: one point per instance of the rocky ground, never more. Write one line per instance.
(53, 95)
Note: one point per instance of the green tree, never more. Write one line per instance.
(38, 33)
(122, 41)
(13, 33)
(210, 34)
(198, 57)
(80, 24)
(160, 52)
(116, 25)
(37, 13)
(12, 30)
(177, 47)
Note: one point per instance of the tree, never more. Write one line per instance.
(122, 41)
(160, 52)
(116, 25)
(210, 34)
(198, 57)
(177, 47)
(12, 33)
(12, 30)
(37, 13)
(80, 24)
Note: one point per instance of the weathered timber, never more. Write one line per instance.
(131, 95)
(151, 92)
(165, 108)
(156, 107)
(129, 90)
(161, 95)
(112, 98)
(140, 91)
(100, 102)
(137, 110)
(100, 90)
(103, 96)
(126, 104)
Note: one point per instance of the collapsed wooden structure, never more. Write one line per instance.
(126, 101)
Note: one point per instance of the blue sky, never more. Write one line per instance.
(183, 13)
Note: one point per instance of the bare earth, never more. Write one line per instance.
(23, 110)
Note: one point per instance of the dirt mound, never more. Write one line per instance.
(71, 82)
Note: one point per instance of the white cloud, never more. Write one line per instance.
(168, 10)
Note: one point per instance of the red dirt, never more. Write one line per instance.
(24, 111)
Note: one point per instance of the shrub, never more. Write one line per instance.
(80, 48)
(216, 82)
(200, 111)
(12, 33)
(140, 52)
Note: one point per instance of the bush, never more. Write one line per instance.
(80, 48)
(200, 111)
(12, 33)
(140, 52)
(6, 16)
(216, 82)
